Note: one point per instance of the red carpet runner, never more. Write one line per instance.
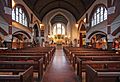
(60, 70)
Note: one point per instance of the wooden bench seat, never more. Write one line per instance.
(71, 53)
(96, 64)
(93, 75)
(96, 58)
(12, 65)
(75, 55)
(26, 56)
(26, 76)
(48, 52)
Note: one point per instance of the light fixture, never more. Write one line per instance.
(42, 26)
(84, 20)
(49, 36)
(13, 3)
(66, 36)
(76, 25)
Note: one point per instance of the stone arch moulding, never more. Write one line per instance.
(57, 14)
(36, 22)
(23, 32)
(96, 32)
(36, 30)
(81, 24)
(57, 11)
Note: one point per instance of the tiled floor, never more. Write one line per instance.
(60, 70)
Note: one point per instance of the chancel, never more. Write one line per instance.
(59, 41)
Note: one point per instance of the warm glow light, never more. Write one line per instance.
(49, 36)
(42, 26)
(13, 3)
(59, 25)
(66, 36)
(76, 25)
(69, 36)
(84, 20)
(52, 36)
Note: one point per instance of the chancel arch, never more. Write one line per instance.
(60, 16)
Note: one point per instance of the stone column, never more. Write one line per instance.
(109, 36)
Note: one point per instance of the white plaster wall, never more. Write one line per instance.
(73, 28)
(115, 25)
(3, 24)
(69, 32)
(117, 35)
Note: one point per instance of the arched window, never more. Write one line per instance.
(99, 15)
(19, 15)
(59, 29)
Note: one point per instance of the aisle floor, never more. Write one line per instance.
(60, 70)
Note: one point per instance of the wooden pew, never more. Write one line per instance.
(69, 50)
(48, 52)
(28, 55)
(97, 53)
(22, 58)
(71, 53)
(26, 76)
(96, 64)
(19, 58)
(77, 49)
(75, 55)
(18, 66)
(93, 75)
(96, 58)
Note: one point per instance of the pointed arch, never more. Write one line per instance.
(96, 32)
(22, 32)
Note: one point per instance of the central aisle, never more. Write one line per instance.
(60, 70)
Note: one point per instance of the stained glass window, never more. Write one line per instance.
(59, 28)
(99, 16)
(19, 16)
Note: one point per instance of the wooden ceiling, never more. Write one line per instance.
(59, 19)
(75, 7)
